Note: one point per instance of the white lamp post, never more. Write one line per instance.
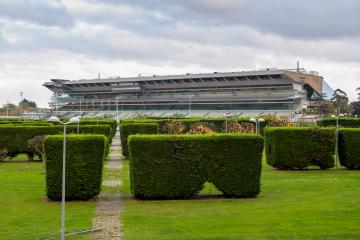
(57, 120)
(190, 96)
(78, 124)
(257, 124)
(21, 99)
(226, 115)
(7, 109)
(337, 137)
(117, 108)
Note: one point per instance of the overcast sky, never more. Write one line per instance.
(75, 39)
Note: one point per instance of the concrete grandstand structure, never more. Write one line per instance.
(246, 93)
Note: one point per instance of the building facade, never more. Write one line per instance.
(284, 92)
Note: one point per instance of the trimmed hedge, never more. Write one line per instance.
(15, 138)
(218, 124)
(84, 165)
(177, 166)
(343, 122)
(127, 129)
(298, 148)
(349, 148)
(111, 122)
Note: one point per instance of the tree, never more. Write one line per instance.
(341, 101)
(28, 103)
(358, 90)
(356, 108)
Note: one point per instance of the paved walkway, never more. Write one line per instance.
(109, 202)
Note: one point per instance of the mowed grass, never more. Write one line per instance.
(311, 204)
(25, 212)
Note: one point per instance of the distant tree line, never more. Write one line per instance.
(14, 110)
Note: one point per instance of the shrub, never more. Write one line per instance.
(173, 127)
(3, 154)
(343, 122)
(14, 139)
(177, 166)
(110, 122)
(35, 144)
(298, 148)
(202, 128)
(127, 129)
(349, 148)
(238, 127)
(272, 120)
(84, 164)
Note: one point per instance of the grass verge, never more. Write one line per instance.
(25, 212)
(310, 204)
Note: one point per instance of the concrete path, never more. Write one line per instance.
(109, 202)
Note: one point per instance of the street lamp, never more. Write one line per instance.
(257, 124)
(21, 99)
(7, 109)
(337, 137)
(190, 96)
(117, 108)
(226, 115)
(57, 120)
(78, 124)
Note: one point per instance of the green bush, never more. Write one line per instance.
(111, 122)
(127, 129)
(343, 122)
(349, 148)
(84, 165)
(14, 139)
(177, 166)
(218, 125)
(298, 148)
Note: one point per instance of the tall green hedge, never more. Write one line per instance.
(177, 166)
(15, 138)
(349, 148)
(84, 165)
(343, 122)
(127, 129)
(298, 148)
(111, 122)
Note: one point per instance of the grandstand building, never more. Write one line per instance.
(246, 93)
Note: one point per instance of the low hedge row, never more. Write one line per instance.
(349, 148)
(177, 166)
(133, 126)
(343, 122)
(127, 129)
(84, 164)
(298, 148)
(111, 122)
(218, 123)
(14, 139)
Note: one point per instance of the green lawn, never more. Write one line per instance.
(25, 212)
(310, 204)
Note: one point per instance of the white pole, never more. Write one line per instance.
(190, 104)
(337, 139)
(7, 109)
(117, 108)
(21, 99)
(62, 231)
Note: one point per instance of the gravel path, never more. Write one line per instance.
(109, 202)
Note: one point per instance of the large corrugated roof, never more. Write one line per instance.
(174, 77)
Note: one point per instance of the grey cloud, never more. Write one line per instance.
(42, 12)
(305, 19)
